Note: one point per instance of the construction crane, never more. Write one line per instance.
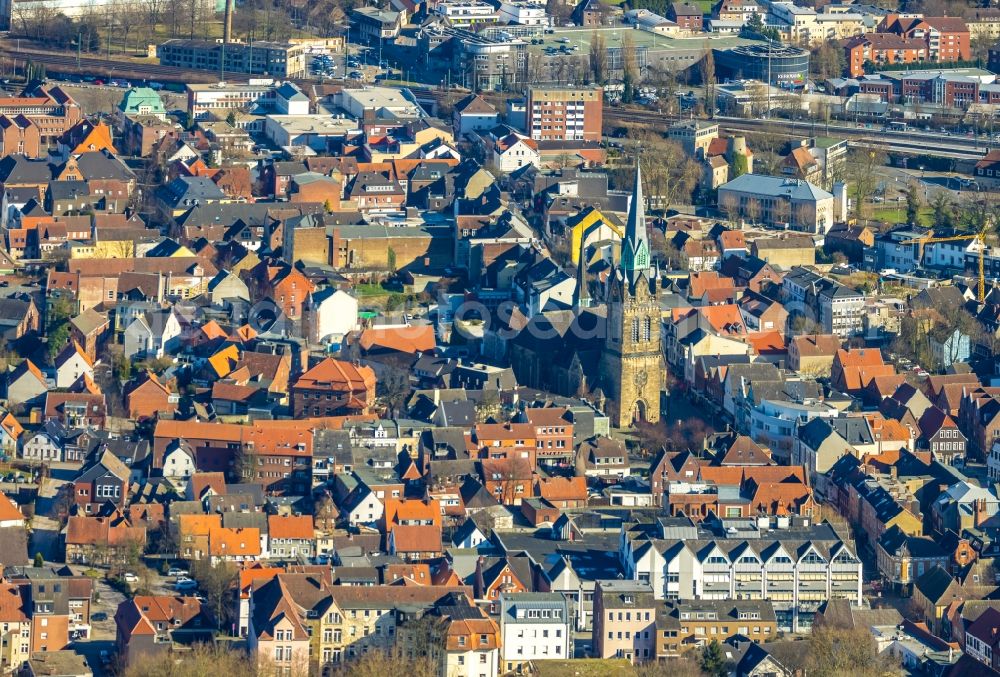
(979, 237)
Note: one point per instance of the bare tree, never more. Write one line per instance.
(630, 68)
(598, 58)
(864, 171)
(708, 80)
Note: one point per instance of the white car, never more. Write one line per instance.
(130, 578)
(177, 572)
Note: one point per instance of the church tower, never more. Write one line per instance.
(632, 370)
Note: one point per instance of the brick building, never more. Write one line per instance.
(565, 113)
(332, 388)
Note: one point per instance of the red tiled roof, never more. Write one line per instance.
(290, 527)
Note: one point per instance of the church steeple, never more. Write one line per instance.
(635, 245)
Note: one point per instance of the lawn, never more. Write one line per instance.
(370, 290)
(894, 214)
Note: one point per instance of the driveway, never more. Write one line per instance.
(45, 529)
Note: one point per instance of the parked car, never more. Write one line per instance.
(129, 577)
(177, 572)
(184, 583)
(99, 616)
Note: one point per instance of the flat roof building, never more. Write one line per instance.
(283, 60)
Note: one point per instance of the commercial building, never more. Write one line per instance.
(772, 63)
(259, 95)
(488, 60)
(282, 60)
(466, 13)
(565, 113)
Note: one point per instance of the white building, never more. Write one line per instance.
(331, 314)
(258, 93)
(523, 12)
(993, 462)
(361, 506)
(71, 365)
(466, 13)
(289, 100)
(534, 626)
(795, 564)
(512, 152)
(473, 114)
(385, 101)
(774, 423)
(310, 131)
(178, 461)
(950, 255)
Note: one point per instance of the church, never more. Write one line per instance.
(610, 350)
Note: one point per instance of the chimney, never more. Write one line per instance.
(980, 509)
(227, 30)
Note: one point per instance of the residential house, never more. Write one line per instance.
(533, 627)
(101, 540)
(148, 626)
(146, 397)
(72, 364)
(932, 594)
(103, 481)
(625, 615)
(291, 537)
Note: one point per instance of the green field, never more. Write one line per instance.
(898, 215)
(369, 290)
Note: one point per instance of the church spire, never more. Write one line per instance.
(635, 245)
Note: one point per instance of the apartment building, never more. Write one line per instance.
(682, 625)
(788, 560)
(882, 49)
(841, 309)
(624, 620)
(534, 626)
(565, 113)
(553, 431)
